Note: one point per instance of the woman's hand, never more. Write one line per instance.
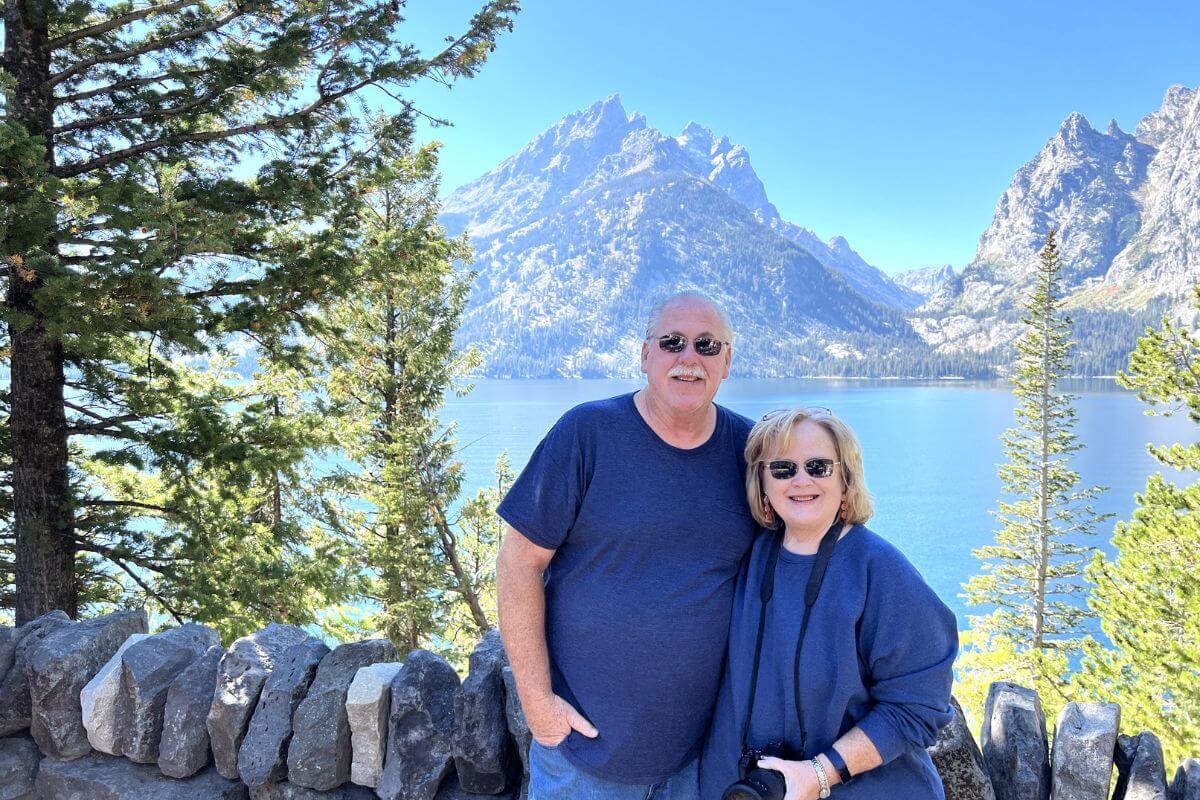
(800, 777)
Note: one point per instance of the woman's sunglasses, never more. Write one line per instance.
(705, 345)
(814, 468)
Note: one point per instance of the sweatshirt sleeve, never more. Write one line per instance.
(907, 640)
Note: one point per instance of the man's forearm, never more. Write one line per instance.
(521, 604)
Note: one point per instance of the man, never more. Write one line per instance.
(616, 574)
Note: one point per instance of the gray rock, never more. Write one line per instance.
(517, 726)
(60, 665)
(99, 699)
(1186, 785)
(148, 669)
(319, 756)
(1082, 759)
(290, 791)
(959, 762)
(262, 758)
(15, 705)
(101, 777)
(419, 729)
(19, 759)
(240, 678)
(451, 789)
(1141, 774)
(1014, 743)
(482, 749)
(368, 705)
(8, 648)
(183, 748)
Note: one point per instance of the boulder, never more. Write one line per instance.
(1082, 759)
(240, 678)
(148, 669)
(98, 700)
(480, 743)
(419, 729)
(290, 791)
(19, 759)
(60, 665)
(183, 747)
(1141, 773)
(1186, 785)
(451, 789)
(8, 648)
(262, 758)
(1014, 743)
(15, 705)
(319, 756)
(959, 762)
(517, 726)
(368, 703)
(101, 777)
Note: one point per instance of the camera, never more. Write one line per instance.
(757, 783)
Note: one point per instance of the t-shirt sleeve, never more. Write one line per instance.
(544, 501)
(908, 640)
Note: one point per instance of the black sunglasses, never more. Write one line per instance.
(705, 345)
(814, 468)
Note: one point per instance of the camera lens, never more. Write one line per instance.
(759, 784)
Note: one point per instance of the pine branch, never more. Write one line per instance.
(146, 47)
(131, 83)
(272, 123)
(87, 123)
(101, 28)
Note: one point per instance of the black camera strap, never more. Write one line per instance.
(766, 591)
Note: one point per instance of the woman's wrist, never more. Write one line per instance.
(831, 773)
(820, 768)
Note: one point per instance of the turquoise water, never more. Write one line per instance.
(930, 449)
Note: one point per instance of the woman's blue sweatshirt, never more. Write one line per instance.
(878, 654)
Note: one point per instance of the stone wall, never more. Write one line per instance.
(99, 710)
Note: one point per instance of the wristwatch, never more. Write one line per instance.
(839, 764)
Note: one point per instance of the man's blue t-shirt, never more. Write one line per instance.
(648, 540)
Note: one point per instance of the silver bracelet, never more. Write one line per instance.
(821, 779)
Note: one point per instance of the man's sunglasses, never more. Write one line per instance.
(705, 345)
(814, 468)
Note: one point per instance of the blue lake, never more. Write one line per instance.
(930, 449)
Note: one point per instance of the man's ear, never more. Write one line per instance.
(645, 356)
(728, 360)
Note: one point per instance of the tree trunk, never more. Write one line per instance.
(42, 513)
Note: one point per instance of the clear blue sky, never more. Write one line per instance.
(896, 125)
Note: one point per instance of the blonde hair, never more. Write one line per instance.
(773, 433)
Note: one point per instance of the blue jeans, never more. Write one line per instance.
(553, 777)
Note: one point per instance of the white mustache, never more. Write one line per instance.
(686, 371)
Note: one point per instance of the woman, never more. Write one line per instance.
(856, 698)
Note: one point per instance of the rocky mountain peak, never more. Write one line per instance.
(838, 244)
(697, 138)
(1160, 125)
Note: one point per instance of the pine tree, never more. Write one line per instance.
(1148, 596)
(169, 190)
(1032, 574)
(389, 370)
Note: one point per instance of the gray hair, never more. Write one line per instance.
(656, 311)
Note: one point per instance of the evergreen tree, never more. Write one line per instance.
(1032, 574)
(1148, 596)
(389, 368)
(132, 241)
